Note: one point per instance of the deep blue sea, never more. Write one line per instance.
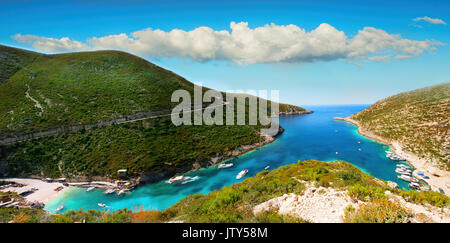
(314, 136)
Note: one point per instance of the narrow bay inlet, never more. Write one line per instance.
(224, 120)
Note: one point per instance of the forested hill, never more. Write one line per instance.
(47, 91)
(42, 92)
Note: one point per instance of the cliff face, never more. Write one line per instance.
(418, 120)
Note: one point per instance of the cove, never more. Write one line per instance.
(314, 136)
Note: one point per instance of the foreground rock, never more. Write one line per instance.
(317, 205)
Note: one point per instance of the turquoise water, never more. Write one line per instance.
(315, 136)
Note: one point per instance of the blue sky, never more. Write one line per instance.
(318, 74)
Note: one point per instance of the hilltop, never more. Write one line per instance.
(42, 92)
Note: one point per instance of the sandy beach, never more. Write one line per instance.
(44, 193)
(442, 181)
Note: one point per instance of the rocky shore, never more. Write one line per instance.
(439, 179)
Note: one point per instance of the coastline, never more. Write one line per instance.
(435, 182)
(45, 190)
(241, 150)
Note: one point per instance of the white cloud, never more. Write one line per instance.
(403, 56)
(244, 45)
(430, 20)
(50, 44)
(379, 58)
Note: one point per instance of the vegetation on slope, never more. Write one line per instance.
(235, 203)
(40, 92)
(148, 146)
(419, 120)
(48, 91)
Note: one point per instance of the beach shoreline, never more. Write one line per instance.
(430, 170)
(45, 190)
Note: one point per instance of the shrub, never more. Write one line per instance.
(377, 211)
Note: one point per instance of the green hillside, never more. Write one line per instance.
(41, 92)
(419, 120)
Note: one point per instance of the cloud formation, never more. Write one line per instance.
(50, 44)
(430, 20)
(243, 45)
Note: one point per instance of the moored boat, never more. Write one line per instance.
(267, 167)
(414, 185)
(190, 180)
(60, 207)
(109, 191)
(223, 166)
(90, 188)
(177, 179)
(241, 174)
(101, 205)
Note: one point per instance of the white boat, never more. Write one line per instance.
(407, 178)
(414, 185)
(403, 173)
(241, 174)
(121, 192)
(403, 166)
(90, 188)
(109, 191)
(190, 180)
(60, 207)
(402, 170)
(101, 205)
(223, 166)
(177, 179)
(267, 167)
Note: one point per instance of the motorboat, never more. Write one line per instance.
(109, 191)
(60, 207)
(90, 188)
(403, 171)
(408, 178)
(190, 180)
(267, 167)
(59, 188)
(177, 179)
(223, 166)
(414, 185)
(241, 174)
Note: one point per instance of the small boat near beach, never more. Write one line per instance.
(241, 174)
(403, 166)
(59, 188)
(407, 178)
(403, 171)
(109, 191)
(190, 180)
(90, 188)
(393, 156)
(223, 166)
(60, 207)
(267, 167)
(121, 192)
(416, 186)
